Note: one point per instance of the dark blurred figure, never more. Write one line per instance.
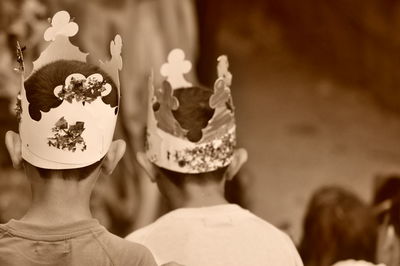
(387, 206)
(338, 225)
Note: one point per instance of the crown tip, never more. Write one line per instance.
(175, 69)
(61, 24)
(223, 70)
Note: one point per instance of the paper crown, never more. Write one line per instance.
(167, 143)
(77, 131)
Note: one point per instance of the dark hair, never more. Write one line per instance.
(389, 189)
(194, 110)
(69, 174)
(200, 178)
(40, 85)
(337, 226)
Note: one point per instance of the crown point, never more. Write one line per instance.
(176, 55)
(115, 50)
(175, 68)
(223, 71)
(20, 58)
(61, 25)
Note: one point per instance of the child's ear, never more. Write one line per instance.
(239, 158)
(147, 166)
(13, 144)
(114, 154)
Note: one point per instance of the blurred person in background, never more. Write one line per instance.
(337, 226)
(387, 206)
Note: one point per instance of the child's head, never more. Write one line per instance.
(337, 226)
(193, 114)
(67, 109)
(191, 130)
(39, 88)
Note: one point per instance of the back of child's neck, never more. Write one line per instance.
(197, 197)
(57, 202)
(199, 203)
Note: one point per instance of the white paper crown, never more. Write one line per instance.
(167, 143)
(79, 131)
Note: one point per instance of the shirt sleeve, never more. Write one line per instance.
(126, 253)
(147, 259)
(294, 253)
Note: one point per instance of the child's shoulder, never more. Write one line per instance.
(140, 235)
(119, 244)
(174, 221)
(261, 226)
(126, 251)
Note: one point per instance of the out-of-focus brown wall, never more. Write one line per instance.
(356, 41)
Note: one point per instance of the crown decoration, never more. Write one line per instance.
(20, 69)
(168, 144)
(67, 137)
(76, 127)
(20, 58)
(81, 89)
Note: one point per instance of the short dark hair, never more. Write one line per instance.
(194, 110)
(40, 85)
(69, 174)
(179, 179)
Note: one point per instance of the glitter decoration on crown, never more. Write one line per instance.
(77, 131)
(167, 143)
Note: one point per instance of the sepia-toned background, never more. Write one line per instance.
(316, 86)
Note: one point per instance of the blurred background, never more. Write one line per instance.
(315, 84)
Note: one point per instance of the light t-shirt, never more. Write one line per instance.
(214, 236)
(356, 263)
(83, 243)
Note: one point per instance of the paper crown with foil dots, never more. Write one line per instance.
(167, 143)
(78, 129)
